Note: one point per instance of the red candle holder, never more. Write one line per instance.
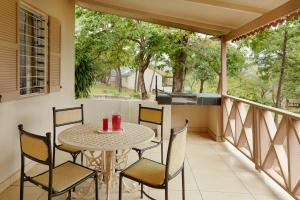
(105, 124)
(116, 122)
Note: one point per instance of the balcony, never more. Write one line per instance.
(214, 171)
(237, 149)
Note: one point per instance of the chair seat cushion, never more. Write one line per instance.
(64, 176)
(69, 149)
(147, 145)
(147, 171)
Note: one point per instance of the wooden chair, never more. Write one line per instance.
(157, 175)
(64, 117)
(57, 180)
(152, 116)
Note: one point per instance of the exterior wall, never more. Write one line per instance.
(36, 113)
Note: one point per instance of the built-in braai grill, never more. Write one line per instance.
(166, 98)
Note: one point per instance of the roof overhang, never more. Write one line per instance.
(232, 19)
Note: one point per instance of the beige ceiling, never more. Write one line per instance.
(215, 17)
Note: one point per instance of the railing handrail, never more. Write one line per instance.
(265, 107)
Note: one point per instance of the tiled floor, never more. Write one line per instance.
(214, 171)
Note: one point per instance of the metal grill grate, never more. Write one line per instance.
(32, 56)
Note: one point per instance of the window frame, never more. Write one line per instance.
(27, 7)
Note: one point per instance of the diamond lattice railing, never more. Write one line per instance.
(268, 136)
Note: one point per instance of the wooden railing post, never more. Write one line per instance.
(256, 139)
(223, 127)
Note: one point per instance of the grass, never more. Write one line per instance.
(99, 89)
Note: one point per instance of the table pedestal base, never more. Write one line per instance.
(108, 163)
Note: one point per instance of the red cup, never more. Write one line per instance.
(116, 122)
(105, 124)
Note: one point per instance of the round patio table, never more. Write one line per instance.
(86, 138)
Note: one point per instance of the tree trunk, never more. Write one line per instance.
(143, 65)
(144, 61)
(152, 78)
(282, 73)
(108, 77)
(142, 84)
(136, 88)
(119, 79)
(179, 68)
(201, 85)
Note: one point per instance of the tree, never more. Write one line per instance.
(148, 41)
(204, 60)
(276, 51)
(121, 42)
(110, 42)
(100, 38)
(177, 49)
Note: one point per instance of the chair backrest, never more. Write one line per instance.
(35, 147)
(151, 115)
(67, 116)
(176, 151)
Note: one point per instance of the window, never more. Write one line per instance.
(33, 51)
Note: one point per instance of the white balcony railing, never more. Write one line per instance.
(268, 136)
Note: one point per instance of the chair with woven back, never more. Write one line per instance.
(156, 175)
(64, 117)
(56, 180)
(151, 116)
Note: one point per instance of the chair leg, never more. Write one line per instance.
(74, 161)
(49, 195)
(120, 187)
(74, 156)
(53, 163)
(81, 158)
(22, 186)
(69, 195)
(140, 154)
(22, 178)
(96, 186)
(162, 153)
(142, 190)
(183, 183)
(166, 192)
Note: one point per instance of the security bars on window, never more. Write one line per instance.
(32, 56)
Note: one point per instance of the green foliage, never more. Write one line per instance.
(267, 53)
(110, 42)
(204, 60)
(84, 75)
(105, 42)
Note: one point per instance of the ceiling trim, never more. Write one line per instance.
(271, 18)
(232, 6)
(206, 28)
